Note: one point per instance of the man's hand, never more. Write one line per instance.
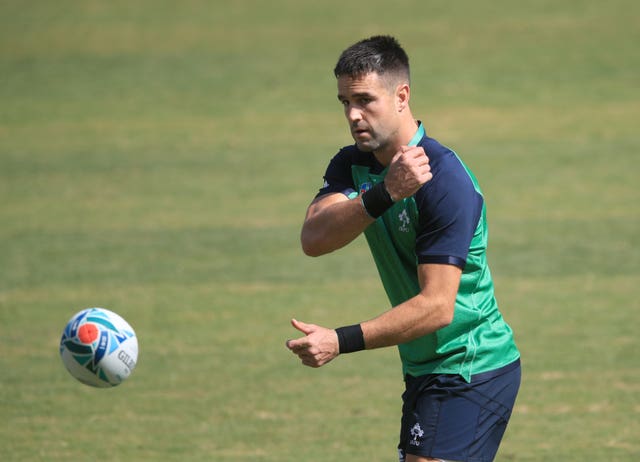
(317, 347)
(409, 169)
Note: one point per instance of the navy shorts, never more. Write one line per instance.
(445, 417)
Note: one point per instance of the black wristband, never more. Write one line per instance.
(350, 338)
(377, 200)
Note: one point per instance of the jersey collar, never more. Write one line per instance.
(418, 135)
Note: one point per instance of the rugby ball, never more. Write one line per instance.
(99, 348)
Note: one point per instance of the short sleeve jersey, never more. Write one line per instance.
(444, 222)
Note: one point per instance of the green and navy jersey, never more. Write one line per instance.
(443, 222)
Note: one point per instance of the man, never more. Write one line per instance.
(423, 216)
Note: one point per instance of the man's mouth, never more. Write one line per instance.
(359, 132)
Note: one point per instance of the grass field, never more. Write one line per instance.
(156, 158)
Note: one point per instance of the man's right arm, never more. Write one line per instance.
(332, 221)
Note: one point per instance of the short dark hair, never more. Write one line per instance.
(381, 54)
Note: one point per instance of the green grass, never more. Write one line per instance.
(156, 158)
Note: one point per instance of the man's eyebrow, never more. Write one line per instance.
(362, 94)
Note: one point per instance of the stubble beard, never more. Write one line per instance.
(371, 145)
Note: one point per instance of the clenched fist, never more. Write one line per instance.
(408, 171)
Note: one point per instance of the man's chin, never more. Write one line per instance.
(364, 147)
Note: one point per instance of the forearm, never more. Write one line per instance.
(431, 309)
(331, 223)
(414, 318)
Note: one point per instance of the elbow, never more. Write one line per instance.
(310, 246)
(445, 318)
(317, 242)
(310, 250)
(431, 318)
(442, 312)
(445, 314)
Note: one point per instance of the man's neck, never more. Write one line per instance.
(404, 136)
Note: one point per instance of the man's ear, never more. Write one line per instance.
(403, 92)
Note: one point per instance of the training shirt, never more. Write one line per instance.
(443, 222)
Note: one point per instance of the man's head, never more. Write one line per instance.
(381, 54)
(373, 87)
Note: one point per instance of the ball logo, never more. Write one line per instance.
(126, 359)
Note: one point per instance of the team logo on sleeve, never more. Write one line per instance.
(364, 187)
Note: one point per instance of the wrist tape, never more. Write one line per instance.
(350, 338)
(376, 200)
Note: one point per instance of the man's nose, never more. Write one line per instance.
(354, 114)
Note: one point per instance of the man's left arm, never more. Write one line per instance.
(430, 310)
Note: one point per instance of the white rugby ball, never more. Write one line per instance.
(99, 348)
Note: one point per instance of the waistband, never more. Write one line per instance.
(496, 372)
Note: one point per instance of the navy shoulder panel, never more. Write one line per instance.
(449, 208)
(338, 178)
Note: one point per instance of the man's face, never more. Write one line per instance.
(371, 110)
